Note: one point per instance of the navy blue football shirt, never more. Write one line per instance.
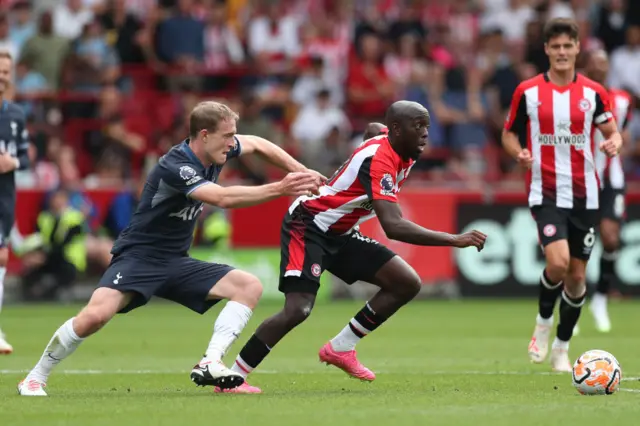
(165, 220)
(14, 140)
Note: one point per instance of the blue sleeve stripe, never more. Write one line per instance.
(204, 182)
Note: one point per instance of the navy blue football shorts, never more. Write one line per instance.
(183, 280)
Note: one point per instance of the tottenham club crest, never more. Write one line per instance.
(386, 184)
(187, 172)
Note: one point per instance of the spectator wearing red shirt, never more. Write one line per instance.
(369, 88)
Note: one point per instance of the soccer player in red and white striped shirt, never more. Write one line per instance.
(550, 130)
(321, 233)
(612, 203)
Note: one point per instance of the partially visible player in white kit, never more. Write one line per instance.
(612, 193)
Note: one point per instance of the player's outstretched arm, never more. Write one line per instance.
(400, 229)
(230, 197)
(272, 153)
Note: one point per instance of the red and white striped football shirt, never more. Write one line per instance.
(373, 172)
(610, 170)
(556, 123)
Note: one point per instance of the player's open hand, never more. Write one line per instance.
(319, 176)
(300, 183)
(524, 158)
(471, 239)
(610, 147)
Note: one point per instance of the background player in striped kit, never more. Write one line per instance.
(612, 194)
(14, 146)
(549, 130)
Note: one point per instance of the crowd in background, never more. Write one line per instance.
(108, 84)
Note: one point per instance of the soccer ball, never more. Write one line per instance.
(597, 372)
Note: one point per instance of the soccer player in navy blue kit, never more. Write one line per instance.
(150, 256)
(14, 146)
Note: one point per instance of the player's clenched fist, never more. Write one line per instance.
(525, 159)
(471, 239)
(610, 147)
(300, 183)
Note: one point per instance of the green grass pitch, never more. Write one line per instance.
(438, 363)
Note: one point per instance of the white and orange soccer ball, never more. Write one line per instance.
(597, 372)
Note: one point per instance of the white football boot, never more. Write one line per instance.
(560, 362)
(539, 343)
(5, 347)
(31, 387)
(215, 373)
(598, 308)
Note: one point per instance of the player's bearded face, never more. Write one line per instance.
(219, 143)
(5, 74)
(562, 51)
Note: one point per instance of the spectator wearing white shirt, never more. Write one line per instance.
(512, 20)
(625, 72)
(314, 123)
(69, 19)
(273, 39)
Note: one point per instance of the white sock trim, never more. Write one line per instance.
(560, 344)
(571, 303)
(547, 284)
(544, 321)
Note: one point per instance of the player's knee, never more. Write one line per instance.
(296, 312)
(90, 320)
(409, 285)
(4, 256)
(610, 242)
(557, 267)
(251, 290)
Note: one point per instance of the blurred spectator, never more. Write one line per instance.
(408, 23)
(54, 265)
(310, 81)
(70, 18)
(535, 55)
(6, 42)
(223, 48)
(512, 20)
(610, 18)
(406, 64)
(94, 63)
(180, 44)
(46, 52)
(369, 88)
(122, 208)
(313, 125)
(29, 84)
(113, 139)
(123, 32)
(23, 25)
(625, 63)
(272, 38)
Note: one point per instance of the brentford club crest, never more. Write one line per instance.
(584, 105)
(549, 230)
(316, 270)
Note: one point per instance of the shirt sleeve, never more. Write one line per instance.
(603, 112)
(378, 176)
(22, 139)
(236, 151)
(517, 118)
(182, 176)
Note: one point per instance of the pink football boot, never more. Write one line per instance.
(347, 362)
(244, 388)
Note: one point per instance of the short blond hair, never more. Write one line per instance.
(5, 54)
(207, 115)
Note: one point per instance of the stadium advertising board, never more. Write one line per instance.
(511, 263)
